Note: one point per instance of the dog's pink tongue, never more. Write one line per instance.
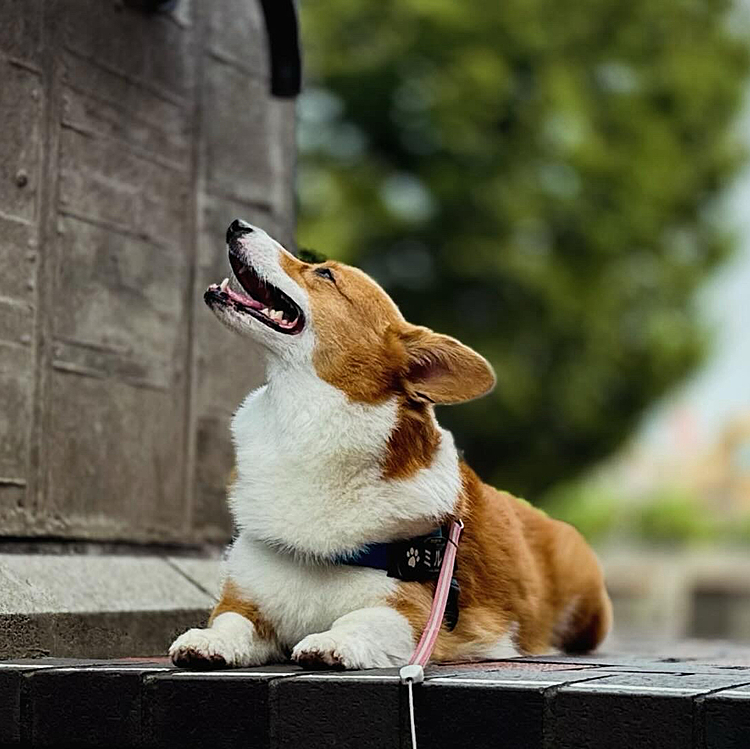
(242, 299)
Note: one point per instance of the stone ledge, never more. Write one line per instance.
(613, 701)
(100, 606)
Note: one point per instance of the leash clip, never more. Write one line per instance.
(413, 673)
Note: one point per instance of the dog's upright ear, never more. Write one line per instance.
(440, 369)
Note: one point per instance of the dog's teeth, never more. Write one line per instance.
(277, 314)
(266, 312)
(224, 284)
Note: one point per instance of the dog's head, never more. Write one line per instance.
(337, 320)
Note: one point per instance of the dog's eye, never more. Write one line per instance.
(325, 273)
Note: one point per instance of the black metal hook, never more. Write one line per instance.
(283, 43)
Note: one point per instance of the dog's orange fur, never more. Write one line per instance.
(412, 443)
(232, 600)
(521, 573)
(357, 350)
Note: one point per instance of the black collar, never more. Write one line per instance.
(415, 559)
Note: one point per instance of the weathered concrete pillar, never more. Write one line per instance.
(129, 141)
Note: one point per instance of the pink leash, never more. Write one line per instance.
(432, 629)
(414, 672)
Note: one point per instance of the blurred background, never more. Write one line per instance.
(564, 186)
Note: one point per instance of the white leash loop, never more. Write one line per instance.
(414, 672)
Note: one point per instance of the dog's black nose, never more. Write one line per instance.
(237, 228)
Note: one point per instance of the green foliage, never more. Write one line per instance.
(672, 517)
(539, 179)
(595, 512)
(669, 516)
(738, 531)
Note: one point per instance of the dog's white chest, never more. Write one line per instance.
(310, 486)
(298, 598)
(310, 478)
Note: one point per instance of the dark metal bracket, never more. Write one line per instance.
(283, 42)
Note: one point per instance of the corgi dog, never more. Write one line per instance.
(339, 451)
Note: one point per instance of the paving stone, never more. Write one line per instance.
(496, 669)
(493, 715)
(86, 707)
(726, 719)
(495, 708)
(210, 710)
(510, 704)
(328, 710)
(600, 659)
(13, 677)
(10, 707)
(647, 711)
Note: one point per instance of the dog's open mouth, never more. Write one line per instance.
(260, 299)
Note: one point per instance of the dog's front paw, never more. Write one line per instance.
(229, 642)
(204, 649)
(321, 651)
(340, 650)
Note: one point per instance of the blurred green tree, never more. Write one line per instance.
(538, 178)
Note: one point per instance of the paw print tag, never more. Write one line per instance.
(417, 558)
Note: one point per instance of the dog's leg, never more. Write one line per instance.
(237, 635)
(377, 637)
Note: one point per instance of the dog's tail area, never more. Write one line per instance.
(586, 624)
